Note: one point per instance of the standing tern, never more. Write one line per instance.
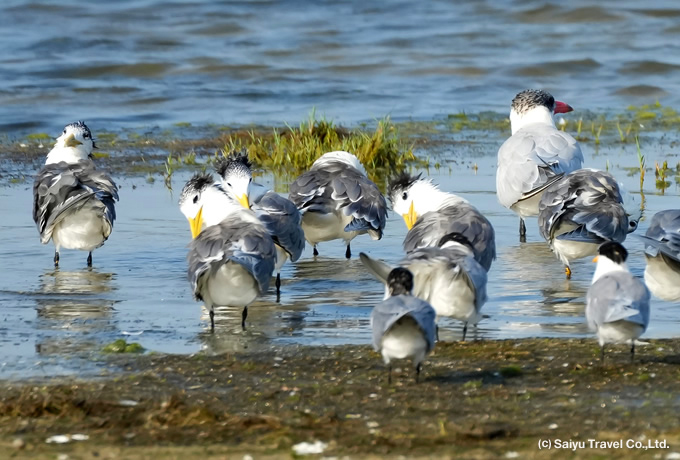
(403, 326)
(279, 215)
(431, 214)
(338, 201)
(448, 277)
(662, 251)
(617, 303)
(582, 210)
(73, 203)
(232, 257)
(536, 155)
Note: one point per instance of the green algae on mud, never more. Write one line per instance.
(476, 400)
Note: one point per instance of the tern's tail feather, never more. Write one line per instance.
(378, 268)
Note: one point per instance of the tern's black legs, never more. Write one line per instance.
(244, 315)
(278, 287)
(89, 259)
(389, 374)
(56, 258)
(348, 252)
(522, 231)
(632, 351)
(316, 253)
(464, 331)
(212, 321)
(418, 368)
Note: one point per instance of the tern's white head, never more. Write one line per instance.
(611, 257)
(534, 106)
(344, 157)
(205, 203)
(237, 176)
(75, 144)
(412, 197)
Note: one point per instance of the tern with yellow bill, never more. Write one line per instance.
(430, 214)
(231, 258)
(278, 214)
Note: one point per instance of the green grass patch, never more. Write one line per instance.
(38, 137)
(121, 346)
(295, 148)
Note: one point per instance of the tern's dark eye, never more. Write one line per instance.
(86, 135)
(404, 196)
(250, 180)
(228, 184)
(633, 224)
(64, 132)
(196, 199)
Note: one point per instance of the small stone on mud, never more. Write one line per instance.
(18, 443)
(552, 426)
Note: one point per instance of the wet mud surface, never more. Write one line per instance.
(481, 399)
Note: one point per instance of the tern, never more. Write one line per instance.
(662, 251)
(74, 203)
(278, 214)
(231, 257)
(617, 303)
(582, 210)
(338, 201)
(536, 155)
(430, 214)
(403, 326)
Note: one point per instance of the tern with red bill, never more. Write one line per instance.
(535, 156)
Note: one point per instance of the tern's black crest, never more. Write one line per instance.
(81, 126)
(400, 281)
(197, 183)
(456, 238)
(234, 162)
(400, 183)
(530, 98)
(613, 251)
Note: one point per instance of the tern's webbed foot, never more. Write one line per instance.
(348, 252)
(316, 252)
(567, 272)
(89, 260)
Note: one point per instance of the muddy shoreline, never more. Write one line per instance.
(483, 399)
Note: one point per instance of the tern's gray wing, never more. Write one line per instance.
(586, 206)
(390, 310)
(377, 267)
(427, 263)
(336, 186)
(617, 296)
(663, 235)
(462, 218)
(532, 157)
(282, 220)
(61, 188)
(233, 240)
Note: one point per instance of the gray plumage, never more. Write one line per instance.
(617, 296)
(460, 218)
(663, 236)
(282, 220)
(232, 240)
(61, 189)
(584, 206)
(454, 263)
(391, 311)
(532, 158)
(333, 186)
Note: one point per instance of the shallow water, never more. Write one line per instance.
(149, 62)
(56, 321)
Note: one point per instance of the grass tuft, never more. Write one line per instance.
(295, 148)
